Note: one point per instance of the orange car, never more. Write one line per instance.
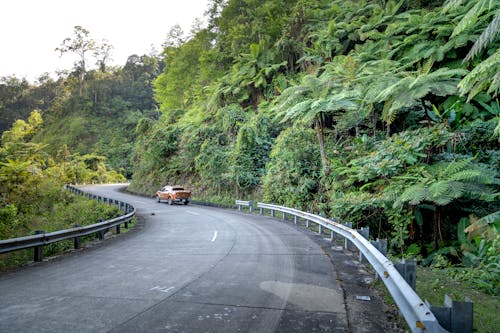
(172, 194)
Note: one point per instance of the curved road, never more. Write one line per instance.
(190, 269)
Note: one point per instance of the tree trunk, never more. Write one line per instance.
(321, 141)
(436, 234)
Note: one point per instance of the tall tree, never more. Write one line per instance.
(102, 53)
(310, 103)
(81, 44)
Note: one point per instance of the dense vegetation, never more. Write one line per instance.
(382, 113)
(31, 182)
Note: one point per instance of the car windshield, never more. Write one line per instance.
(178, 189)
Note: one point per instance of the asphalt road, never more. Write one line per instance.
(189, 269)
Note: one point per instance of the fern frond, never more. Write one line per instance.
(454, 167)
(496, 131)
(481, 191)
(486, 37)
(466, 175)
(297, 110)
(470, 17)
(415, 194)
(440, 192)
(495, 84)
(485, 73)
(473, 176)
(451, 4)
(389, 112)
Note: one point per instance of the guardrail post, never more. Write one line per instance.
(76, 240)
(408, 270)
(295, 218)
(272, 212)
(346, 241)
(455, 317)
(365, 232)
(332, 234)
(100, 233)
(118, 230)
(38, 250)
(307, 221)
(284, 216)
(250, 206)
(381, 245)
(261, 210)
(320, 227)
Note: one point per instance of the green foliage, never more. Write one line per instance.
(294, 169)
(433, 284)
(444, 182)
(31, 181)
(9, 221)
(382, 113)
(249, 156)
(484, 77)
(391, 157)
(482, 257)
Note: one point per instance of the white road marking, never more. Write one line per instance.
(215, 236)
(162, 289)
(192, 213)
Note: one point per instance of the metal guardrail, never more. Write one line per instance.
(41, 239)
(417, 314)
(248, 204)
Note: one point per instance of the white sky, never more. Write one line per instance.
(30, 30)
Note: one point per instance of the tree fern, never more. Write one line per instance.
(471, 176)
(471, 16)
(453, 167)
(414, 195)
(409, 90)
(444, 182)
(449, 4)
(485, 76)
(486, 37)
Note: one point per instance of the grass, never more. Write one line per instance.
(433, 285)
(82, 210)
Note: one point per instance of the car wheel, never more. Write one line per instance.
(170, 201)
(158, 198)
(186, 202)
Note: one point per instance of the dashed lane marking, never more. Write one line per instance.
(162, 289)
